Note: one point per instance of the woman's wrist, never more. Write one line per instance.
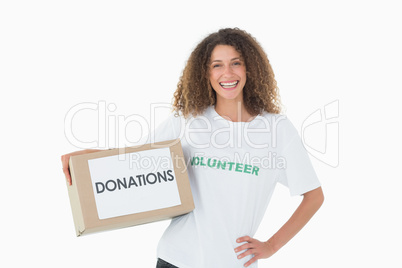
(273, 244)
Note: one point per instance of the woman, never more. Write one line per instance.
(238, 147)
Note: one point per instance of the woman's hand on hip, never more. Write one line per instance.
(260, 250)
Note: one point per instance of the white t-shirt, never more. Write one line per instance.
(233, 168)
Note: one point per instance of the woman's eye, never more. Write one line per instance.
(216, 65)
(237, 63)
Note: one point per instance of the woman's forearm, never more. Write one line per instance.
(312, 201)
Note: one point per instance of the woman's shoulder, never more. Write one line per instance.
(277, 120)
(280, 125)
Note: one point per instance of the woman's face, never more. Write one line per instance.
(227, 73)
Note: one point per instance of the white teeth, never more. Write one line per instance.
(231, 84)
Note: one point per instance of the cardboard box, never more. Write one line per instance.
(124, 187)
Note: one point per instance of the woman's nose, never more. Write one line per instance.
(227, 70)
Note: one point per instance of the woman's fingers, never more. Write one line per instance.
(64, 160)
(259, 250)
(254, 259)
(245, 245)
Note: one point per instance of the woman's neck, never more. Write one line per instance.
(234, 111)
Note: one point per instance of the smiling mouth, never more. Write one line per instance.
(232, 84)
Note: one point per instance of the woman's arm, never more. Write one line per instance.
(311, 202)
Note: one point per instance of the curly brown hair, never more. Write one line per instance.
(194, 92)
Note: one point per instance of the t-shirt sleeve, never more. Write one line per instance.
(298, 173)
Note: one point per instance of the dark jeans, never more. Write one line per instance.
(163, 264)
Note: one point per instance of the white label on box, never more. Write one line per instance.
(134, 182)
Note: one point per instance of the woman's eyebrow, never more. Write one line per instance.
(237, 58)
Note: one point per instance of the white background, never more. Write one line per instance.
(57, 54)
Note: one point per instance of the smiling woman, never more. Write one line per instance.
(228, 76)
